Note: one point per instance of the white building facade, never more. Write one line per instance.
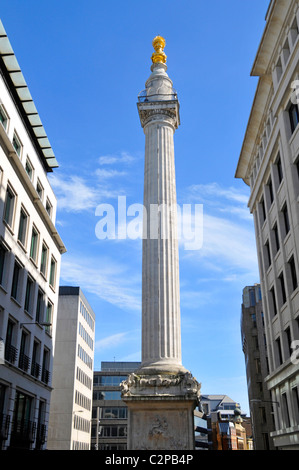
(269, 164)
(30, 254)
(71, 401)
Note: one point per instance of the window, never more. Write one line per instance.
(23, 358)
(278, 351)
(276, 236)
(286, 219)
(2, 263)
(3, 117)
(39, 307)
(28, 294)
(39, 189)
(49, 207)
(293, 272)
(49, 313)
(34, 244)
(15, 280)
(23, 227)
(282, 287)
(17, 144)
(285, 408)
(279, 170)
(44, 259)
(29, 169)
(270, 186)
(289, 340)
(268, 254)
(263, 210)
(273, 302)
(9, 206)
(52, 272)
(295, 396)
(294, 116)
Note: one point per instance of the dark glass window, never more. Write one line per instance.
(294, 116)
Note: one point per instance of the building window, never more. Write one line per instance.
(270, 186)
(28, 294)
(289, 340)
(282, 288)
(263, 210)
(295, 396)
(3, 117)
(286, 219)
(285, 410)
(34, 244)
(23, 227)
(293, 272)
(39, 189)
(49, 207)
(39, 307)
(268, 254)
(294, 116)
(2, 263)
(29, 169)
(279, 169)
(52, 279)
(278, 351)
(49, 314)
(15, 280)
(9, 206)
(273, 307)
(23, 357)
(276, 236)
(17, 144)
(44, 259)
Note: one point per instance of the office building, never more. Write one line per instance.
(256, 362)
(30, 253)
(109, 412)
(71, 402)
(221, 404)
(269, 164)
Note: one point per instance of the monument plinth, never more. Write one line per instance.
(162, 394)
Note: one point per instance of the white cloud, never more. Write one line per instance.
(110, 341)
(104, 174)
(214, 190)
(112, 159)
(105, 278)
(75, 194)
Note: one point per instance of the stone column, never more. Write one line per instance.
(162, 394)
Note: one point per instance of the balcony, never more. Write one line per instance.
(11, 353)
(35, 369)
(23, 433)
(24, 362)
(41, 435)
(45, 376)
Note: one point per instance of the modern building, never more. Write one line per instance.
(221, 404)
(269, 164)
(30, 253)
(256, 362)
(109, 412)
(71, 401)
(230, 434)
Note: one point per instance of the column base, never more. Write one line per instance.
(160, 410)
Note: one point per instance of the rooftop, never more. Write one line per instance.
(12, 74)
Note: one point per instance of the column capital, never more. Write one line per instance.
(152, 111)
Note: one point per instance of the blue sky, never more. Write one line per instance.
(85, 63)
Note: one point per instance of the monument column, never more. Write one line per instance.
(162, 394)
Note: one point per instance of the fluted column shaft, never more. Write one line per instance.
(161, 332)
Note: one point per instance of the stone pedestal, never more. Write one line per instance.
(160, 411)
